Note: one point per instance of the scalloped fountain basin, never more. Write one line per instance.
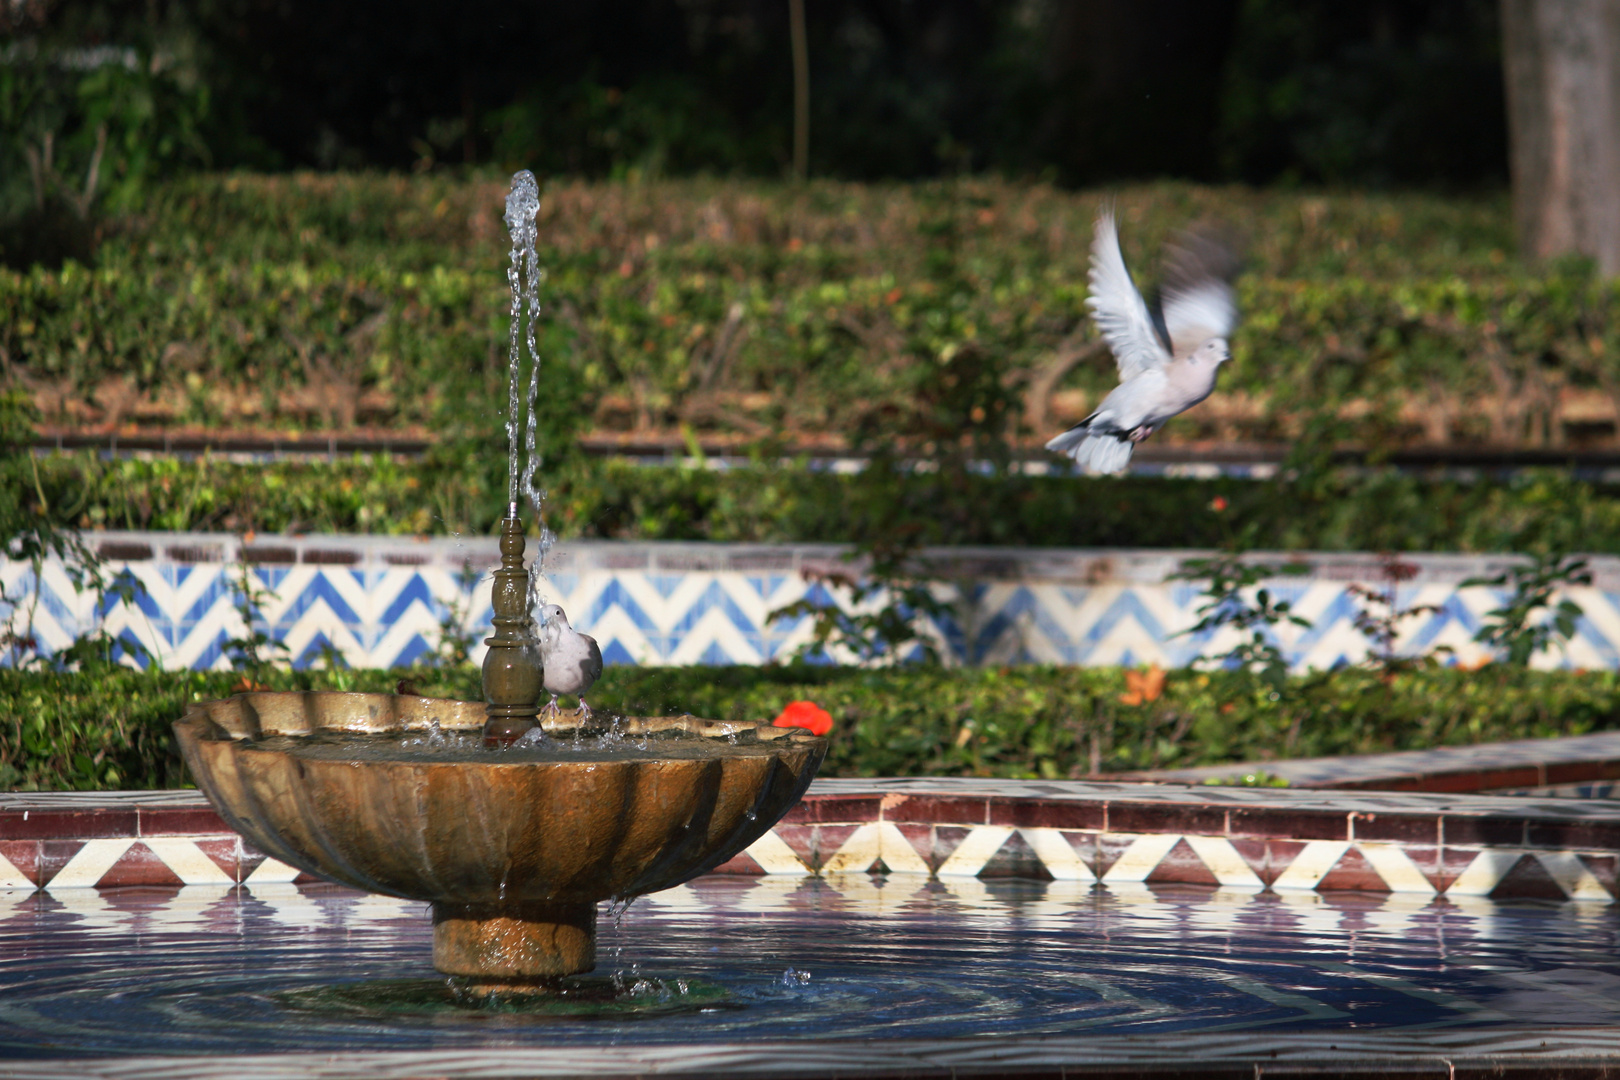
(514, 847)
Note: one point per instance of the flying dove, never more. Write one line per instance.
(572, 660)
(1165, 366)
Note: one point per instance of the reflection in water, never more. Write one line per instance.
(155, 971)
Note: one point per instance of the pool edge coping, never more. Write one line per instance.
(1105, 832)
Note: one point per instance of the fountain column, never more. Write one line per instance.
(513, 677)
(512, 671)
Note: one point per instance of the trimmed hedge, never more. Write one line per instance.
(1335, 510)
(764, 309)
(109, 729)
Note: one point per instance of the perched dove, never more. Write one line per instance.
(572, 660)
(1164, 369)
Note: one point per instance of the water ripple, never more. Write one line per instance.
(151, 971)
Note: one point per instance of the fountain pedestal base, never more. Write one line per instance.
(497, 943)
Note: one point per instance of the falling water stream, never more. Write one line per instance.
(522, 204)
(524, 275)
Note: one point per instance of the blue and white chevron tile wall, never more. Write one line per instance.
(382, 601)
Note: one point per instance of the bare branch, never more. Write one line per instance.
(724, 345)
(94, 174)
(36, 176)
(1070, 355)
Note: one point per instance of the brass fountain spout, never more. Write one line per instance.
(512, 671)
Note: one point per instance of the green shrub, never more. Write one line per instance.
(107, 728)
(110, 729)
(460, 492)
(764, 310)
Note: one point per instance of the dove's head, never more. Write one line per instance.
(549, 621)
(1212, 352)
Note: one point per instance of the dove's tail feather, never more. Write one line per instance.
(1095, 453)
(1066, 442)
(1104, 454)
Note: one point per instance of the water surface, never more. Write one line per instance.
(203, 970)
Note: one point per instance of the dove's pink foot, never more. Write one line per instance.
(1141, 433)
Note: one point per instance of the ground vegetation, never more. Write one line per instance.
(758, 314)
(107, 727)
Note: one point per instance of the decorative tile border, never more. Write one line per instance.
(380, 601)
(69, 840)
(1119, 834)
(1111, 834)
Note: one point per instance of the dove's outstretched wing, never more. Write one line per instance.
(1197, 299)
(1119, 310)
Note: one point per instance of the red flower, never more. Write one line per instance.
(1143, 687)
(805, 714)
(1218, 503)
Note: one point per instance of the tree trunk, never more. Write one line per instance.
(801, 90)
(1561, 61)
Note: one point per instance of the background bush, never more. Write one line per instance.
(592, 498)
(109, 729)
(1258, 90)
(762, 312)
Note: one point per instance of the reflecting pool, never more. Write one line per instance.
(87, 972)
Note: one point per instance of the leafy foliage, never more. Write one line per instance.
(30, 533)
(757, 312)
(1340, 93)
(1234, 597)
(934, 324)
(460, 489)
(869, 632)
(961, 415)
(88, 128)
(1528, 621)
(257, 650)
(110, 729)
(1379, 616)
(1261, 90)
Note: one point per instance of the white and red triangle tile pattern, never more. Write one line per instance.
(1117, 835)
(380, 601)
(73, 840)
(1112, 859)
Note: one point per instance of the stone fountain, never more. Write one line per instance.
(512, 827)
(513, 846)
